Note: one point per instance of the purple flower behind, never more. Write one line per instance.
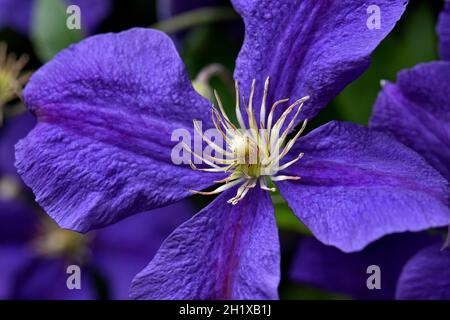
(356, 184)
(18, 221)
(330, 269)
(115, 254)
(443, 30)
(14, 129)
(30, 266)
(18, 14)
(17, 224)
(416, 111)
(426, 275)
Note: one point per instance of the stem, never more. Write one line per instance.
(196, 17)
(215, 69)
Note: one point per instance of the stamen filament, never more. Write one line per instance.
(272, 111)
(282, 178)
(238, 107)
(263, 185)
(209, 163)
(288, 164)
(222, 110)
(262, 115)
(213, 145)
(220, 189)
(252, 156)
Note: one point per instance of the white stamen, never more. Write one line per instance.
(252, 156)
(238, 108)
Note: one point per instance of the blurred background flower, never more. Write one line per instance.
(11, 77)
(330, 269)
(34, 253)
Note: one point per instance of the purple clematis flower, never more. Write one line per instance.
(416, 111)
(12, 131)
(101, 151)
(18, 14)
(330, 269)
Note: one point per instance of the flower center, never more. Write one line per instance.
(253, 149)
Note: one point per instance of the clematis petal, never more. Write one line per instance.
(416, 111)
(426, 275)
(346, 273)
(358, 185)
(443, 30)
(310, 47)
(223, 252)
(106, 109)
